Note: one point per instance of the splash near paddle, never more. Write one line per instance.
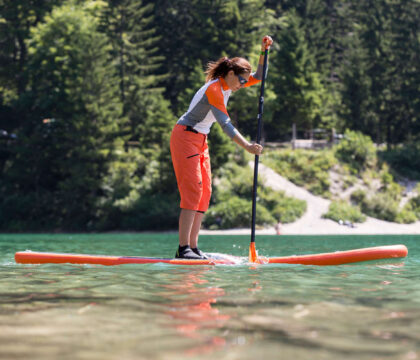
(324, 259)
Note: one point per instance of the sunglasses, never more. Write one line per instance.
(242, 80)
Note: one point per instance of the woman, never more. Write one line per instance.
(189, 151)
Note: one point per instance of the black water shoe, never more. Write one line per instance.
(185, 252)
(200, 253)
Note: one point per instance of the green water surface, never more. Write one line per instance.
(159, 311)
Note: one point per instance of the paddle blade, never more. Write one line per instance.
(252, 253)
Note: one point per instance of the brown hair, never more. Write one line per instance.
(221, 67)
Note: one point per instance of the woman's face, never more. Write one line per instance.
(236, 82)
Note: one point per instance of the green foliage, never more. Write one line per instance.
(16, 19)
(342, 210)
(303, 167)
(221, 148)
(357, 150)
(195, 81)
(384, 205)
(283, 208)
(381, 206)
(129, 25)
(235, 213)
(414, 204)
(406, 216)
(354, 87)
(139, 187)
(147, 213)
(404, 159)
(299, 91)
(203, 30)
(60, 162)
(111, 77)
(386, 68)
(358, 196)
(234, 202)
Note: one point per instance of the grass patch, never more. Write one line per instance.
(342, 210)
(306, 168)
(233, 202)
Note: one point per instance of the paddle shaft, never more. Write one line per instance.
(260, 113)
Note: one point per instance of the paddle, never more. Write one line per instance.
(252, 251)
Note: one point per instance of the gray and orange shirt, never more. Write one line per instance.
(209, 105)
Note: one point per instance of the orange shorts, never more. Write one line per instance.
(190, 157)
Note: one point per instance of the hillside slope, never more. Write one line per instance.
(312, 223)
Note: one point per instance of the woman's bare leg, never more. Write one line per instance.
(195, 229)
(186, 220)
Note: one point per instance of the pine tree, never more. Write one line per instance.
(295, 81)
(389, 34)
(354, 88)
(129, 26)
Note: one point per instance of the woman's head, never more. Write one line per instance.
(235, 71)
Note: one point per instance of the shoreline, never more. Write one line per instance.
(328, 227)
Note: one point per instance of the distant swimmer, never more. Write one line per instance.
(278, 228)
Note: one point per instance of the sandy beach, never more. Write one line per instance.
(312, 223)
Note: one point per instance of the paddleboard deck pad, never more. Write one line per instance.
(333, 258)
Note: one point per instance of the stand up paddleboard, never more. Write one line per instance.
(334, 258)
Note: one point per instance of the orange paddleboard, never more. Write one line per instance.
(334, 258)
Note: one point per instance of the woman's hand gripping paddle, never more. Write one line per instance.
(253, 256)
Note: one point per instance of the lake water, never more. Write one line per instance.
(158, 311)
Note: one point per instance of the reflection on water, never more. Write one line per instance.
(360, 311)
(189, 305)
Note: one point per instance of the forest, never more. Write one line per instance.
(90, 91)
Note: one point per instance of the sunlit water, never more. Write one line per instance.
(156, 311)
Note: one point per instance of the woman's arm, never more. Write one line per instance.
(256, 77)
(255, 149)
